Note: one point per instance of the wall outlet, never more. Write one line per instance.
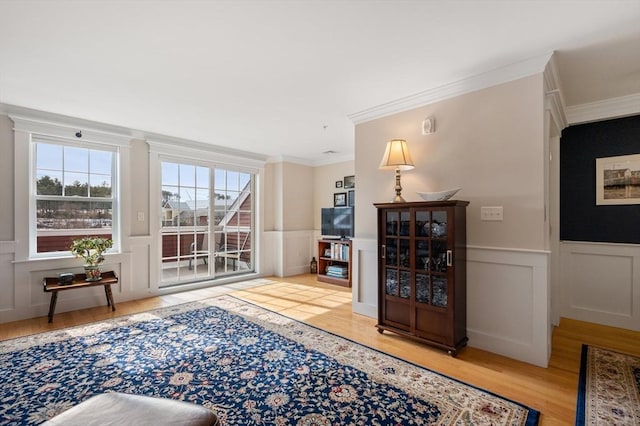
(491, 213)
(140, 216)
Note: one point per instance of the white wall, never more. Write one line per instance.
(490, 143)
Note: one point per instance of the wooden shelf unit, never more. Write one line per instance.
(339, 256)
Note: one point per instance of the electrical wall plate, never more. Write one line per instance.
(428, 125)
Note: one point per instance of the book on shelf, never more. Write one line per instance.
(337, 271)
(340, 251)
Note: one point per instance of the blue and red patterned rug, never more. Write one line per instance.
(249, 365)
(608, 388)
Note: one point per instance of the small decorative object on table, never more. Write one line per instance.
(91, 249)
(65, 278)
(439, 196)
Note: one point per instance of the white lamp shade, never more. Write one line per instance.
(396, 155)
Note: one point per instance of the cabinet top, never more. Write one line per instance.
(447, 203)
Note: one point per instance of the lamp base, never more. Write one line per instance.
(398, 198)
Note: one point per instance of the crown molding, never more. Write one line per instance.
(554, 101)
(606, 109)
(471, 84)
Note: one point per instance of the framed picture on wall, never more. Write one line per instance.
(338, 184)
(618, 180)
(349, 182)
(351, 198)
(340, 199)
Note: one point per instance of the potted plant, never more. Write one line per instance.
(91, 249)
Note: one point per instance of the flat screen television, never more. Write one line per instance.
(337, 222)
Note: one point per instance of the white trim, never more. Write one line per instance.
(508, 249)
(219, 156)
(471, 84)
(601, 110)
(27, 131)
(68, 131)
(554, 101)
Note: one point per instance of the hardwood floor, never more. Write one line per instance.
(552, 391)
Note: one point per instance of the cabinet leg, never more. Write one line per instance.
(380, 331)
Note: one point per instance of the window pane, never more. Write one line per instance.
(76, 159)
(220, 180)
(48, 156)
(233, 183)
(49, 183)
(100, 186)
(202, 177)
(73, 214)
(244, 180)
(187, 175)
(169, 174)
(232, 197)
(76, 184)
(100, 162)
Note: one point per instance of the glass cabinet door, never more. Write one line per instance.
(397, 251)
(431, 257)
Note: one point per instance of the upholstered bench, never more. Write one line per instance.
(125, 409)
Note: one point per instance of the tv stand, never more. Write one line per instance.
(334, 261)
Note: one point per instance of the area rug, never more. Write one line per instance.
(249, 365)
(608, 388)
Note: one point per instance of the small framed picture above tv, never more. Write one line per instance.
(349, 182)
(340, 199)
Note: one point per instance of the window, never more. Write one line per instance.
(74, 194)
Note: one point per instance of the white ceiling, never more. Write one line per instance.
(280, 78)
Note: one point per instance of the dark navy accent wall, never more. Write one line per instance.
(580, 218)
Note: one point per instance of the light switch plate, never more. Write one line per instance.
(491, 213)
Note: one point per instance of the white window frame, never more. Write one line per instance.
(28, 130)
(115, 195)
(178, 150)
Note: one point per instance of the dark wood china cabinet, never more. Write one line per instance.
(422, 271)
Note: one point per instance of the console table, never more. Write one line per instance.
(51, 285)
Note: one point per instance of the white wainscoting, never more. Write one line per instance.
(508, 303)
(600, 283)
(364, 276)
(289, 252)
(7, 288)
